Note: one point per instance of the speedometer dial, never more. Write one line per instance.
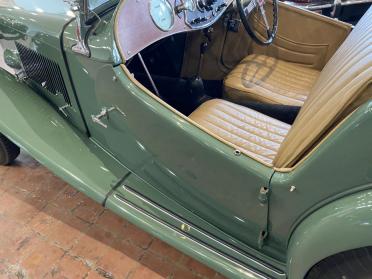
(162, 14)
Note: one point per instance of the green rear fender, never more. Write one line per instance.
(35, 126)
(342, 225)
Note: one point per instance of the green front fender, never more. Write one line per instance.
(31, 123)
(339, 226)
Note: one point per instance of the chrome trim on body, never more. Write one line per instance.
(249, 272)
(193, 228)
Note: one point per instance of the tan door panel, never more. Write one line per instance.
(212, 68)
(225, 51)
(237, 46)
(304, 37)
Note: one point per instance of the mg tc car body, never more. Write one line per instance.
(237, 131)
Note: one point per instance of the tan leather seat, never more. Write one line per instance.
(249, 131)
(266, 79)
(344, 84)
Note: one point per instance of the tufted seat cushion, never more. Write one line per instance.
(266, 79)
(249, 131)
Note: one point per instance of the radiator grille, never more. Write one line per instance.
(43, 71)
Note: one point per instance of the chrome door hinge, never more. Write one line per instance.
(263, 198)
(105, 114)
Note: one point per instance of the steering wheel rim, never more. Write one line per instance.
(245, 12)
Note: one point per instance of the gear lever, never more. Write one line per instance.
(197, 84)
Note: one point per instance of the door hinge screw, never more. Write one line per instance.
(237, 152)
(264, 194)
(185, 227)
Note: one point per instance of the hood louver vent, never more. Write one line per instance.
(43, 71)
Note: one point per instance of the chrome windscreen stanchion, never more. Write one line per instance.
(148, 75)
(81, 10)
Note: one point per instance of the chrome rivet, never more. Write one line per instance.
(237, 153)
(114, 78)
(292, 188)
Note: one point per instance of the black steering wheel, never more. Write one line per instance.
(250, 9)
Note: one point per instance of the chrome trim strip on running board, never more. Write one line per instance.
(244, 271)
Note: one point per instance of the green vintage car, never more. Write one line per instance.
(237, 131)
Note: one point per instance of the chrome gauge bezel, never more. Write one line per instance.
(170, 7)
(213, 16)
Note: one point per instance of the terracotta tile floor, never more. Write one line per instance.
(49, 230)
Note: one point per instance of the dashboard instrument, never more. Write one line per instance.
(162, 14)
(204, 14)
(140, 23)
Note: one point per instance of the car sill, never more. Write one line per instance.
(189, 245)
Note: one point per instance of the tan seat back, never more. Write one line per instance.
(342, 84)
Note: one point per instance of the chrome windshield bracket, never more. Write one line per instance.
(81, 11)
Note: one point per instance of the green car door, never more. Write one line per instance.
(208, 178)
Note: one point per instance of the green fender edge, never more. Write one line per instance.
(31, 123)
(342, 225)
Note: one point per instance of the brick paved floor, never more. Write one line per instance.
(49, 230)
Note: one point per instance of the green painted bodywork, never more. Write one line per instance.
(132, 191)
(39, 26)
(34, 125)
(338, 226)
(131, 207)
(164, 174)
(41, 20)
(147, 119)
(341, 164)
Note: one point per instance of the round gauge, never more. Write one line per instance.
(162, 14)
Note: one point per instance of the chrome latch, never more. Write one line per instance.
(105, 114)
(63, 108)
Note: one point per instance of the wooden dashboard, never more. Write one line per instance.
(136, 30)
